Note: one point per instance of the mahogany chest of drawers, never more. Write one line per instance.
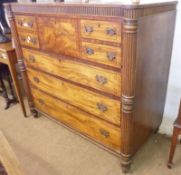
(101, 70)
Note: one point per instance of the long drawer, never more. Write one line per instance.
(99, 105)
(98, 78)
(102, 132)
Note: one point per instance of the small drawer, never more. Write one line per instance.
(26, 22)
(94, 103)
(29, 39)
(101, 30)
(98, 78)
(102, 54)
(100, 131)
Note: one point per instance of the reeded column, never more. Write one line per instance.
(19, 54)
(128, 90)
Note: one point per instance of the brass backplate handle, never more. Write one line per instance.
(36, 79)
(33, 40)
(23, 38)
(25, 24)
(111, 31)
(20, 22)
(89, 29)
(104, 133)
(32, 58)
(41, 101)
(30, 24)
(111, 56)
(101, 79)
(89, 51)
(102, 107)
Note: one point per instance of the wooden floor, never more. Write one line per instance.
(45, 148)
(8, 158)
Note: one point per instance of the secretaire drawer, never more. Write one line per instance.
(103, 54)
(85, 123)
(25, 22)
(99, 105)
(97, 78)
(101, 30)
(29, 39)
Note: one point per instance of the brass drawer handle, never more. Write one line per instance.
(89, 29)
(102, 107)
(36, 79)
(25, 24)
(111, 56)
(111, 31)
(89, 51)
(32, 40)
(30, 24)
(104, 133)
(41, 101)
(32, 58)
(23, 38)
(101, 79)
(20, 22)
(29, 39)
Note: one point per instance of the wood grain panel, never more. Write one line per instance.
(101, 30)
(59, 35)
(29, 39)
(98, 78)
(102, 132)
(8, 158)
(99, 105)
(103, 54)
(25, 22)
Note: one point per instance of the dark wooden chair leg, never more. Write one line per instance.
(4, 94)
(176, 132)
(11, 87)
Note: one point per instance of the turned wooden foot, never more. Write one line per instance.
(34, 113)
(156, 130)
(176, 132)
(126, 161)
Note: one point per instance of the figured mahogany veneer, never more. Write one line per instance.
(98, 78)
(100, 69)
(77, 96)
(83, 122)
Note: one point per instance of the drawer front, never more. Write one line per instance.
(101, 30)
(102, 54)
(25, 22)
(89, 101)
(29, 39)
(98, 78)
(59, 35)
(84, 123)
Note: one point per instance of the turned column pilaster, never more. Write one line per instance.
(128, 90)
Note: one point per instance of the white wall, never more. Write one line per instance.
(174, 84)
